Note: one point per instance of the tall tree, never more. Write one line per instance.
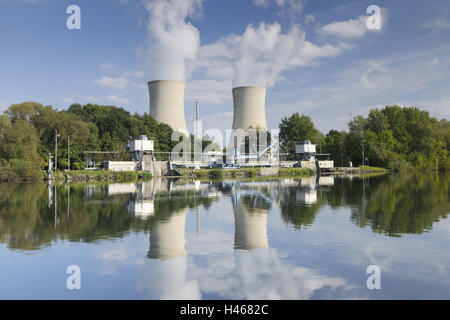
(296, 128)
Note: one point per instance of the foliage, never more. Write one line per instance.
(398, 138)
(296, 128)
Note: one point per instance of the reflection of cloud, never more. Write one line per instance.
(260, 274)
(118, 254)
(166, 280)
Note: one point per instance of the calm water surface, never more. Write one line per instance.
(275, 239)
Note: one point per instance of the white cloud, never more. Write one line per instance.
(117, 83)
(260, 55)
(289, 7)
(309, 18)
(209, 91)
(135, 74)
(437, 23)
(353, 28)
(261, 3)
(107, 66)
(106, 99)
(397, 79)
(434, 62)
(116, 99)
(439, 107)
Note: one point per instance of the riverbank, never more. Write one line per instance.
(245, 173)
(131, 176)
(101, 175)
(359, 170)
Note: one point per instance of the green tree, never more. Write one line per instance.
(296, 128)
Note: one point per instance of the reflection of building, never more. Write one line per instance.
(326, 181)
(250, 226)
(167, 237)
(166, 276)
(141, 208)
(307, 193)
(308, 196)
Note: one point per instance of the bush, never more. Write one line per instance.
(216, 174)
(26, 169)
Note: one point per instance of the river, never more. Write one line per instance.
(310, 238)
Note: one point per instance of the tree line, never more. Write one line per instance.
(394, 137)
(27, 135)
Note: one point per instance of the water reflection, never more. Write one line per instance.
(239, 252)
(31, 215)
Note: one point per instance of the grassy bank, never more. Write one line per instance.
(101, 175)
(245, 173)
(360, 170)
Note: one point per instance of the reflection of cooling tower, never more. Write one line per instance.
(167, 103)
(249, 107)
(167, 238)
(250, 228)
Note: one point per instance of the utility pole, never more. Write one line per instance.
(56, 149)
(342, 159)
(68, 153)
(363, 147)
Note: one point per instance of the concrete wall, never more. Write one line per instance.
(121, 165)
(308, 165)
(156, 168)
(167, 103)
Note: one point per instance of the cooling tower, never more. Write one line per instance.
(167, 238)
(250, 227)
(167, 103)
(249, 107)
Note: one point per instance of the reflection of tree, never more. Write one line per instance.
(389, 204)
(404, 204)
(26, 221)
(296, 213)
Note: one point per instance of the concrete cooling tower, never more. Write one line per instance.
(167, 103)
(250, 227)
(249, 107)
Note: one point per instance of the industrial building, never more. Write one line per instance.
(310, 159)
(249, 102)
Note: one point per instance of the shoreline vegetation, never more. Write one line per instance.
(399, 139)
(202, 174)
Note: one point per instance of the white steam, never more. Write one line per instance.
(172, 41)
(263, 53)
(260, 55)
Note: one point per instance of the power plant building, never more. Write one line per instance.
(167, 103)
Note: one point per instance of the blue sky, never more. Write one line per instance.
(315, 57)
